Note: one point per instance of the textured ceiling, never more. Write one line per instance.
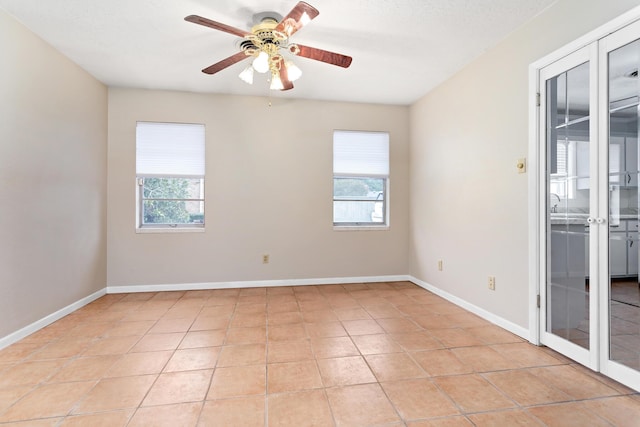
(401, 49)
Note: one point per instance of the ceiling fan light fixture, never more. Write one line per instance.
(276, 82)
(247, 75)
(263, 43)
(261, 63)
(293, 72)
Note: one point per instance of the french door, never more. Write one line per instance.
(588, 127)
(570, 146)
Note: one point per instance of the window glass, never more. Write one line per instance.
(172, 201)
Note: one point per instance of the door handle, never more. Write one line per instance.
(598, 220)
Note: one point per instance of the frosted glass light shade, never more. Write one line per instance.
(247, 75)
(293, 72)
(276, 83)
(261, 63)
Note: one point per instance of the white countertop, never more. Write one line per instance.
(578, 218)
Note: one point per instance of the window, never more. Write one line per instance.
(572, 168)
(170, 175)
(360, 178)
(562, 181)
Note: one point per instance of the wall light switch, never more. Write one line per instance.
(521, 165)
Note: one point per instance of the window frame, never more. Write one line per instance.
(363, 225)
(141, 226)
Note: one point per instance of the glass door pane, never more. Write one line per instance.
(568, 203)
(624, 293)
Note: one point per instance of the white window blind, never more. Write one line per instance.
(169, 149)
(561, 156)
(360, 153)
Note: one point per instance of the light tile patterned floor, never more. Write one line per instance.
(625, 323)
(384, 354)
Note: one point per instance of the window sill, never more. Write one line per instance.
(151, 230)
(360, 227)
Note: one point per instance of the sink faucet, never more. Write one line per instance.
(554, 208)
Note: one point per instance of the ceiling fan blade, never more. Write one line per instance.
(284, 77)
(227, 62)
(216, 25)
(299, 16)
(324, 56)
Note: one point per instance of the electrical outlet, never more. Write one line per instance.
(492, 283)
(439, 265)
(265, 259)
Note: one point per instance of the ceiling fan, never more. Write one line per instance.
(264, 42)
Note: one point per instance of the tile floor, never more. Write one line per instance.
(384, 354)
(625, 323)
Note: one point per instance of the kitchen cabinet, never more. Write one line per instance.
(618, 250)
(632, 256)
(623, 122)
(569, 242)
(623, 161)
(623, 249)
(568, 267)
(631, 162)
(632, 248)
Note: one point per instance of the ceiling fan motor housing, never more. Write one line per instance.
(265, 38)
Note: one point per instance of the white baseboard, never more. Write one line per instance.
(45, 321)
(35, 326)
(254, 284)
(497, 320)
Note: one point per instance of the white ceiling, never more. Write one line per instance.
(401, 49)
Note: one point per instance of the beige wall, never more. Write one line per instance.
(53, 135)
(268, 190)
(468, 203)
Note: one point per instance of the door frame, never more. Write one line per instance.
(537, 187)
